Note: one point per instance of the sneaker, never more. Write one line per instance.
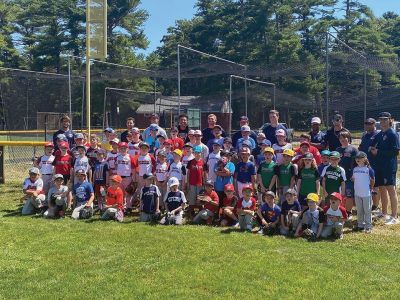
(236, 225)
(391, 221)
(387, 218)
(368, 231)
(377, 214)
(349, 217)
(357, 229)
(255, 229)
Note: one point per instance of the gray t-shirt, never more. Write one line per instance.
(62, 191)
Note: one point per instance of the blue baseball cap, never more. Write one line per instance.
(197, 149)
(325, 153)
(109, 129)
(153, 127)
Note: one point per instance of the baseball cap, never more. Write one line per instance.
(148, 176)
(58, 176)
(336, 195)
(370, 121)
(80, 147)
(197, 149)
(245, 150)
(266, 142)
(361, 154)
(229, 187)
(154, 115)
(178, 152)
(168, 141)
(308, 155)
(116, 178)
(80, 172)
(61, 137)
(215, 142)
(315, 120)
(79, 136)
(291, 191)
(34, 170)
(191, 132)
(188, 145)
(246, 144)
(244, 118)
(217, 127)
(224, 153)
(153, 127)
(172, 181)
(305, 144)
(245, 128)
(198, 132)
(312, 197)
(247, 187)
(174, 129)
(280, 132)
(64, 145)
(135, 130)
(269, 149)
(160, 136)
(115, 140)
(49, 144)
(335, 154)
(162, 153)
(141, 144)
(122, 145)
(288, 152)
(325, 153)
(261, 135)
(209, 182)
(109, 129)
(385, 115)
(269, 193)
(227, 140)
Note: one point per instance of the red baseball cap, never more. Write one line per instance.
(122, 145)
(305, 144)
(64, 145)
(229, 187)
(247, 187)
(168, 141)
(336, 195)
(49, 144)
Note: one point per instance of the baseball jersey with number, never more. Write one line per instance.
(45, 163)
(111, 159)
(176, 170)
(133, 148)
(146, 164)
(124, 165)
(212, 160)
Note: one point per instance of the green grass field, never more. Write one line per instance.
(92, 259)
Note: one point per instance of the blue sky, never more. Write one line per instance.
(164, 13)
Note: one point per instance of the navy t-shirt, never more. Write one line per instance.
(317, 138)
(269, 132)
(367, 140)
(174, 200)
(244, 171)
(388, 147)
(82, 192)
(331, 139)
(148, 196)
(70, 137)
(270, 214)
(348, 158)
(286, 207)
(208, 135)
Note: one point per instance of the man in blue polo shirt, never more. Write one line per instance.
(274, 125)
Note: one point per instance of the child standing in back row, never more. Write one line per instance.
(364, 181)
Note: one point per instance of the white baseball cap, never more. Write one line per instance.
(316, 120)
(280, 132)
(198, 132)
(245, 128)
(172, 181)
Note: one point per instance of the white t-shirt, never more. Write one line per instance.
(145, 164)
(82, 163)
(29, 185)
(111, 161)
(279, 151)
(211, 162)
(175, 170)
(133, 148)
(124, 165)
(46, 164)
(161, 171)
(362, 176)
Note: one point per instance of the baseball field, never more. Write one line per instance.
(92, 259)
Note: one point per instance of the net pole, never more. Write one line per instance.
(104, 108)
(88, 4)
(327, 78)
(365, 91)
(179, 82)
(70, 90)
(155, 93)
(245, 90)
(230, 105)
(274, 101)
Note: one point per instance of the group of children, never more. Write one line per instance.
(258, 187)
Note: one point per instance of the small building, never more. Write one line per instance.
(167, 107)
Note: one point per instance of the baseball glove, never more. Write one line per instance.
(309, 234)
(86, 213)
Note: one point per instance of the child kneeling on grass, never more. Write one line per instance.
(336, 215)
(210, 202)
(227, 212)
(33, 192)
(83, 197)
(312, 219)
(290, 213)
(114, 206)
(149, 199)
(268, 215)
(246, 208)
(57, 198)
(175, 202)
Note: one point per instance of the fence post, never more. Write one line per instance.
(2, 180)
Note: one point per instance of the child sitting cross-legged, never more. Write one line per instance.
(291, 209)
(336, 215)
(210, 202)
(268, 215)
(246, 208)
(312, 219)
(114, 206)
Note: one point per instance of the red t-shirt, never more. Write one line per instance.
(177, 143)
(214, 197)
(242, 204)
(115, 196)
(62, 163)
(196, 169)
(230, 202)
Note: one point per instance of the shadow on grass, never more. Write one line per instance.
(12, 213)
(230, 230)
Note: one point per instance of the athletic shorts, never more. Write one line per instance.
(349, 189)
(385, 178)
(303, 200)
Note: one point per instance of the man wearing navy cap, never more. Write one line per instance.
(385, 149)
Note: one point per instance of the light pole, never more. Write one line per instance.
(205, 54)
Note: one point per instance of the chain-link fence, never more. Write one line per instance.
(18, 160)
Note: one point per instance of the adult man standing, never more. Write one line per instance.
(65, 123)
(244, 121)
(385, 149)
(130, 123)
(273, 126)
(183, 127)
(331, 139)
(207, 132)
(154, 120)
(317, 136)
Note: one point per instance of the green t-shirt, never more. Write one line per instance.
(334, 176)
(285, 174)
(266, 170)
(308, 179)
